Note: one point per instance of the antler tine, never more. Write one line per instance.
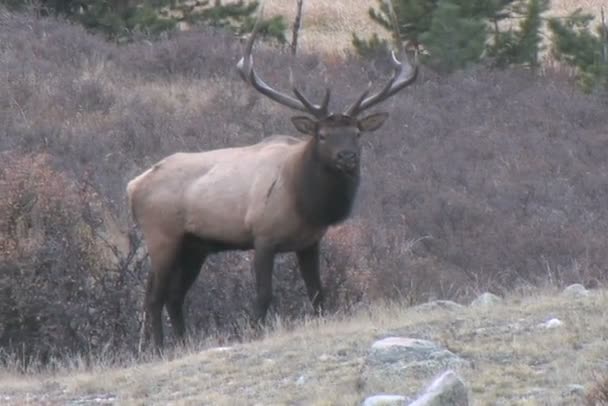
(319, 111)
(401, 78)
(354, 108)
(248, 74)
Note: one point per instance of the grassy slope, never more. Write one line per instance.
(512, 357)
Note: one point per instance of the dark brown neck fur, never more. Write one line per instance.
(324, 196)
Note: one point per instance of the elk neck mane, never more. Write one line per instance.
(324, 196)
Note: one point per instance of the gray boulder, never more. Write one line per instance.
(486, 299)
(397, 361)
(575, 291)
(447, 390)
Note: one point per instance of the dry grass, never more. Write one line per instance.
(327, 25)
(563, 7)
(318, 363)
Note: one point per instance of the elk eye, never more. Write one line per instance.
(322, 137)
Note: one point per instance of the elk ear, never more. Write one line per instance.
(305, 125)
(372, 122)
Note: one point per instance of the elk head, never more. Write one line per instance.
(335, 135)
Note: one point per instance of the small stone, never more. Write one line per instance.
(576, 291)
(301, 380)
(390, 342)
(219, 349)
(552, 323)
(385, 400)
(324, 357)
(486, 299)
(574, 390)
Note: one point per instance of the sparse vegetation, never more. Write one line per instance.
(513, 360)
(598, 394)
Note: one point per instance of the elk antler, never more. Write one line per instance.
(245, 68)
(401, 77)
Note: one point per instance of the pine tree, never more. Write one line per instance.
(521, 46)
(424, 24)
(237, 16)
(456, 33)
(456, 37)
(119, 18)
(414, 18)
(575, 44)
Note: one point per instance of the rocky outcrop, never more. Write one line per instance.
(408, 360)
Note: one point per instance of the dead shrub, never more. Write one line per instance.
(597, 395)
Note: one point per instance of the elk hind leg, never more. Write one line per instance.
(191, 258)
(162, 258)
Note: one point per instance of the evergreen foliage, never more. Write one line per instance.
(521, 46)
(118, 19)
(456, 37)
(576, 44)
(456, 33)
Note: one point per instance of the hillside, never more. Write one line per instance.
(484, 180)
(510, 358)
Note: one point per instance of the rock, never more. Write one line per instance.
(385, 400)
(104, 399)
(486, 299)
(395, 360)
(439, 305)
(575, 291)
(552, 323)
(407, 350)
(301, 380)
(219, 349)
(447, 390)
(574, 390)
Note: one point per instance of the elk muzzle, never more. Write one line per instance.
(347, 161)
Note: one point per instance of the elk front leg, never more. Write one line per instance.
(308, 261)
(263, 266)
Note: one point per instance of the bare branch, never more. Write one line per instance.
(297, 23)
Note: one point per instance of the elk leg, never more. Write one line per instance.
(308, 261)
(162, 261)
(263, 264)
(190, 262)
(156, 294)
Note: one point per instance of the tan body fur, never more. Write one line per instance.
(232, 195)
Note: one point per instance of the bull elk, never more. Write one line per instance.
(278, 195)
